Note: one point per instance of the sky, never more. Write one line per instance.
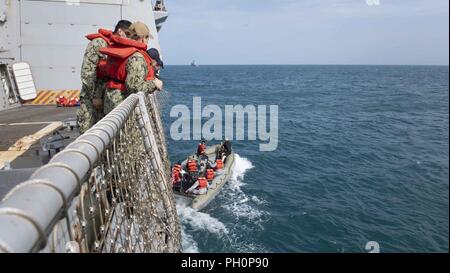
(410, 32)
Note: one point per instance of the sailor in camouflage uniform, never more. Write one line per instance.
(139, 72)
(92, 90)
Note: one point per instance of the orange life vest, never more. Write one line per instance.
(209, 174)
(192, 165)
(176, 173)
(201, 148)
(105, 34)
(176, 177)
(114, 67)
(219, 164)
(202, 183)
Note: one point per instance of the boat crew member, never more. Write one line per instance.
(227, 147)
(191, 178)
(210, 175)
(210, 165)
(199, 187)
(219, 164)
(128, 67)
(224, 150)
(201, 148)
(91, 97)
(176, 173)
(218, 151)
(191, 165)
(178, 179)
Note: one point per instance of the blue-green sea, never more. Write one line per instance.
(363, 156)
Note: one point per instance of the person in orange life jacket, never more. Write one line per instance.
(201, 148)
(128, 67)
(192, 172)
(199, 187)
(92, 90)
(176, 173)
(219, 164)
(210, 174)
(120, 30)
(191, 165)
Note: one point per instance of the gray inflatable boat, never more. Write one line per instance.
(198, 202)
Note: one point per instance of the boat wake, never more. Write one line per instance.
(239, 203)
(194, 221)
(245, 209)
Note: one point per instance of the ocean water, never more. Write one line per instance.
(362, 156)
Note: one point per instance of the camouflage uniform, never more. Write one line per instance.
(91, 89)
(136, 73)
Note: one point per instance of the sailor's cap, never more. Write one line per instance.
(140, 29)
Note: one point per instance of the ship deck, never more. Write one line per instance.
(22, 121)
(21, 130)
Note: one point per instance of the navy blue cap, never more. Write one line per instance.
(154, 54)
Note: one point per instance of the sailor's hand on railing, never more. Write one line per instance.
(158, 83)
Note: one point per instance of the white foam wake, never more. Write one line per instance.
(245, 208)
(200, 221)
(240, 203)
(241, 166)
(196, 221)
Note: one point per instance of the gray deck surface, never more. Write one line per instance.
(24, 165)
(9, 134)
(37, 113)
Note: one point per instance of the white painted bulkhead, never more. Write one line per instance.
(50, 34)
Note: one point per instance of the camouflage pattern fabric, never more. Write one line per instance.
(135, 82)
(87, 115)
(113, 97)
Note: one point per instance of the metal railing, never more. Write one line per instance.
(108, 191)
